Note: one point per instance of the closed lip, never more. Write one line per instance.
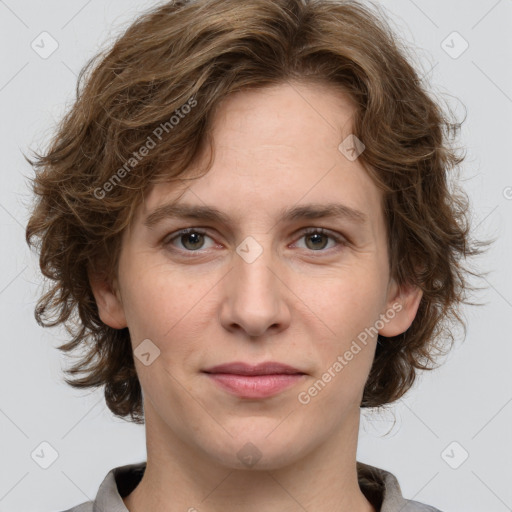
(241, 368)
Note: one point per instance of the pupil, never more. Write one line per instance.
(192, 235)
(316, 236)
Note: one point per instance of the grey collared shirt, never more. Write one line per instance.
(380, 487)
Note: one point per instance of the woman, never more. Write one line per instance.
(248, 207)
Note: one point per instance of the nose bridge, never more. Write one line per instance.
(254, 262)
(253, 298)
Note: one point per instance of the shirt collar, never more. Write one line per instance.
(379, 486)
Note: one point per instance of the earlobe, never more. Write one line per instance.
(402, 306)
(108, 300)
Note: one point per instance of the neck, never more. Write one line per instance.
(179, 478)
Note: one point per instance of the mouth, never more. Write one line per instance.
(254, 381)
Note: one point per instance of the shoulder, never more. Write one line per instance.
(118, 482)
(83, 507)
(381, 488)
(416, 506)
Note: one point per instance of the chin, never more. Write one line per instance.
(265, 449)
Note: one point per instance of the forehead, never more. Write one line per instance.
(276, 147)
(300, 117)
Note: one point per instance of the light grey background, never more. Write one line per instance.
(468, 400)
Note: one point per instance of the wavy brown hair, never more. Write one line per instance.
(166, 75)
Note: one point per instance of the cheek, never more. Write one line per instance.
(171, 308)
(346, 301)
(347, 352)
(347, 312)
(155, 296)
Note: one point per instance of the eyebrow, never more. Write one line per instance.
(208, 213)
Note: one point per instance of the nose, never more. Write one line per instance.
(256, 300)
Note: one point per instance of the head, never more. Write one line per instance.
(251, 110)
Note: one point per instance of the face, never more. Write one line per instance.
(258, 285)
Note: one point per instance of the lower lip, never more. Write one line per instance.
(255, 386)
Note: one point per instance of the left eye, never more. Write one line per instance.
(192, 239)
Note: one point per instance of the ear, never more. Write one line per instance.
(401, 308)
(108, 300)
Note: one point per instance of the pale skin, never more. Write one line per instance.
(301, 302)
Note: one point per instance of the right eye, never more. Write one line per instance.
(191, 240)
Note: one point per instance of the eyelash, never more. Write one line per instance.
(340, 241)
